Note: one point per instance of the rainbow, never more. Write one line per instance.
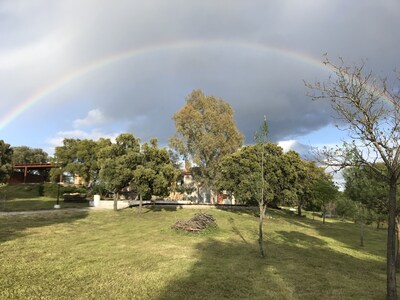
(45, 91)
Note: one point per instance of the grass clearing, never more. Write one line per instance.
(39, 203)
(27, 197)
(124, 255)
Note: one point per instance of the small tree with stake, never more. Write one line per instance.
(370, 112)
(261, 138)
(255, 173)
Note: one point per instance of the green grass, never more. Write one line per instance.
(124, 255)
(21, 191)
(27, 197)
(40, 203)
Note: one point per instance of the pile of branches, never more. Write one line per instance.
(197, 223)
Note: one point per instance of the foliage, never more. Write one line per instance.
(27, 155)
(326, 192)
(51, 190)
(345, 207)
(205, 133)
(80, 157)
(157, 173)
(5, 161)
(255, 174)
(143, 179)
(240, 173)
(364, 187)
(301, 178)
(117, 163)
(370, 112)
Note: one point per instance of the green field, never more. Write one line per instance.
(27, 197)
(124, 255)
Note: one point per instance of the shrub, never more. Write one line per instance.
(51, 190)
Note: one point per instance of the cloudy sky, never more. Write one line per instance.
(91, 68)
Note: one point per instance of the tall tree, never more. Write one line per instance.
(5, 161)
(117, 163)
(205, 133)
(370, 112)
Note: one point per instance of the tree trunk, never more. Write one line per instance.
(398, 244)
(362, 234)
(323, 215)
(140, 203)
(260, 230)
(116, 201)
(391, 242)
(299, 210)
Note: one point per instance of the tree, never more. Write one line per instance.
(5, 161)
(345, 207)
(370, 112)
(117, 164)
(254, 174)
(80, 157)
(326, 192)
(27, 155)
(301, 177)
(363, 187)
(205, 133)
(156, 174)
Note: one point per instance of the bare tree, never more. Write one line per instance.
(370, 112)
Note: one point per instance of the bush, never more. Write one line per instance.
(98, 189)
(346, 208)
(51, 190)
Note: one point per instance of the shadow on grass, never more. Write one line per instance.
(15, 225)
(346, 233)
(239, 210)
(165, 207)
(36, 204)
(297, 266)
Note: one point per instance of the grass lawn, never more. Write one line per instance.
(39, 203)
(124, 255)
(26, 197)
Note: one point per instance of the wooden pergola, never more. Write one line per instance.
(39, 166)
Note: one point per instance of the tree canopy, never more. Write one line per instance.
(303, 177)
(240, 173)
(80, 157)
(6, 153)
(205, 133)
(117, 163)
(156, 174)
(364, 187)
(27, 155)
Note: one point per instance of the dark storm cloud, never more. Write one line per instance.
(143, 92)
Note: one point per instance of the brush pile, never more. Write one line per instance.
(197, 223)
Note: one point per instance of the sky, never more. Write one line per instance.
(90, 68)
